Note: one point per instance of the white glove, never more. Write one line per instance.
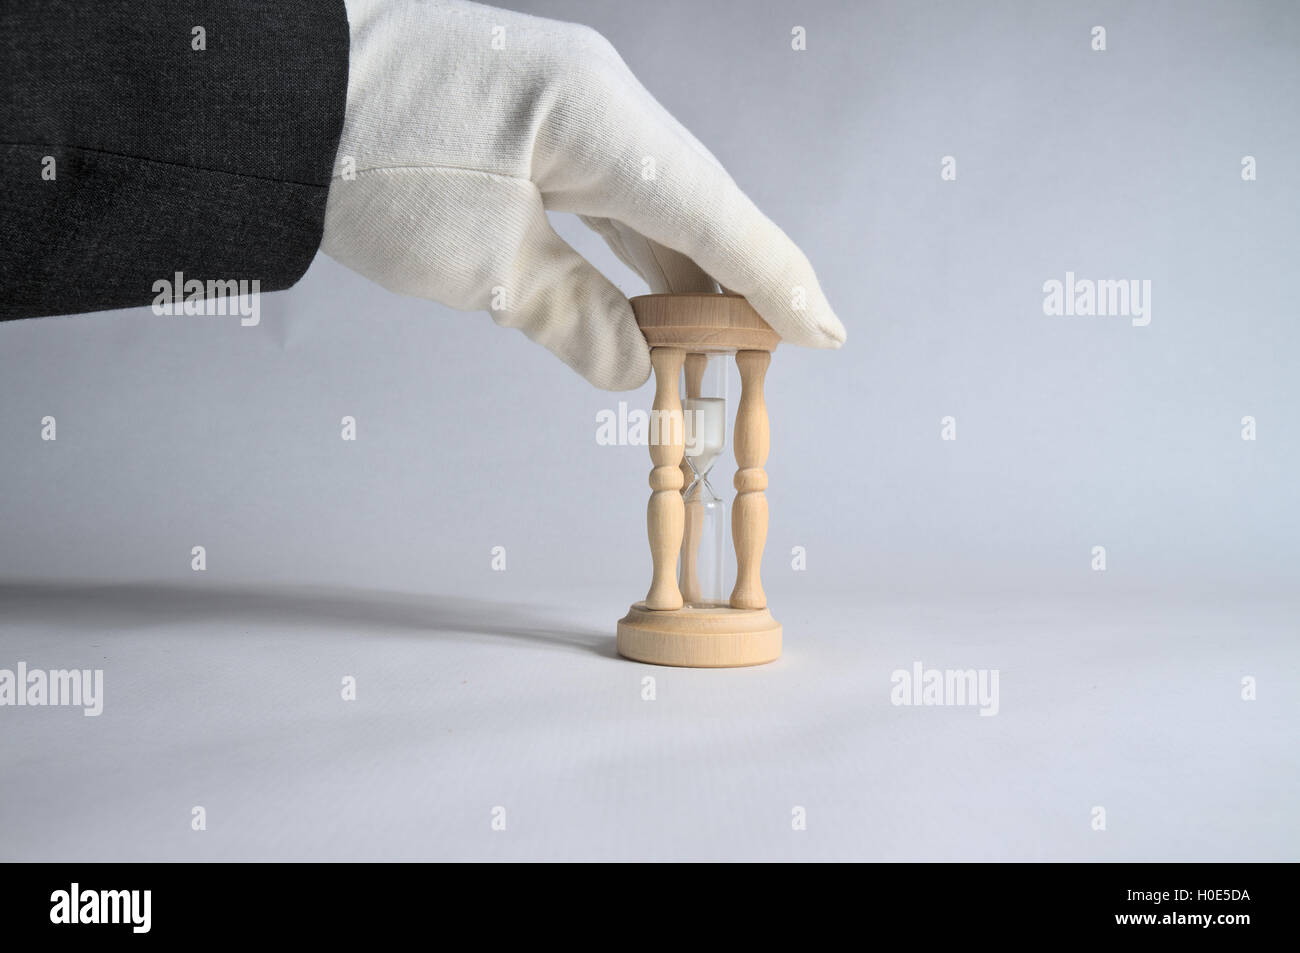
(465, 123)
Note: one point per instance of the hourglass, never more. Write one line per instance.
(685, 618)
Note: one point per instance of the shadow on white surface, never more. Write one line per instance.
(132, 606)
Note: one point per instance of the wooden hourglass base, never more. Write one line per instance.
(715, 636)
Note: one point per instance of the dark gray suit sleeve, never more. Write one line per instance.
(127, 155)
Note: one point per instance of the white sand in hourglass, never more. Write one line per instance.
(706, 431)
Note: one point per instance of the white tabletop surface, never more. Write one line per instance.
(230, 699)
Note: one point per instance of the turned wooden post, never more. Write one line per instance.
(689, 576)
(665, 514)
(749, 516)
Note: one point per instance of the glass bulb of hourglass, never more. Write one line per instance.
(706, 431)
(701, 567)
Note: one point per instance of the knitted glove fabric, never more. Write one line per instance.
(466, 123)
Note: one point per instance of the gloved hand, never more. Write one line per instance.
(465, 123)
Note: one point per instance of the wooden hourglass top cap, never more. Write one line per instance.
(703, 322)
